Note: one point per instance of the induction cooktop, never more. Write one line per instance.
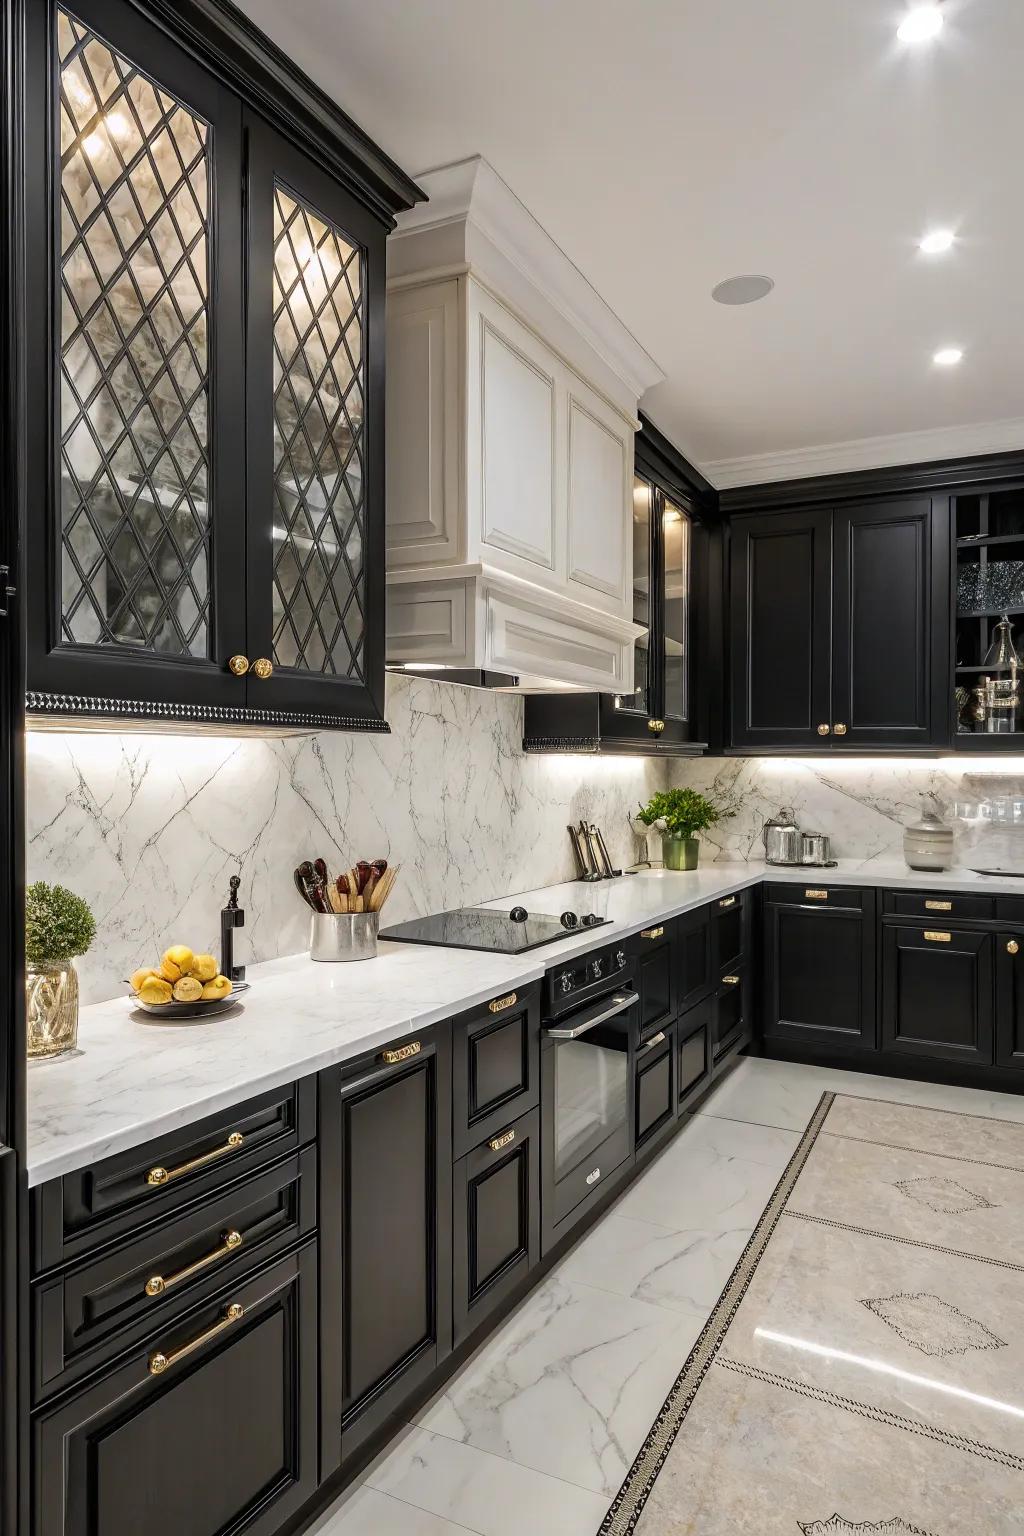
(503, 933)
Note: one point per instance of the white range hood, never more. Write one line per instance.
(512, 392)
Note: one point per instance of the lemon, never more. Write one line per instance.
(203, 968)
(155, 990)
(138, 977)
(188, 990)
(181, 956)
(217, 988)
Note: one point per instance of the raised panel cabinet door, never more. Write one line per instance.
(695, 1051)
(386, 1174)
(890, 623)
(1009, 999)
(780, 623)
(654, 965)
(937, 993)
(208, 1427)
(495, 1067)
(134, 320)
(314, 441)
(819, 975)
(496, 1221)
(600, 457)
(654, 1103)
(694, 956)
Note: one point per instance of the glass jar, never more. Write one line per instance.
(51, 998)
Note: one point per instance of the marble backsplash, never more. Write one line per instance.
(862, 803)
(149, 828)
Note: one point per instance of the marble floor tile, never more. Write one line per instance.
(684, 1271)
(783, 1093)
(954, 1135)
(716, 1175)
(570, 1385)
(925, 1335)
(365, 1512)
(909, 1195)
(486, 1494)
(760, 1460)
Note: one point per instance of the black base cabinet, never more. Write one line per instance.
(654, 1099)
(819, 965)
(937, 994)
(695, 1058)
(1010, 1000)
(496, 1235)
(209, 1427)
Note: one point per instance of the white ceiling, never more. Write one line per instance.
(668, 144)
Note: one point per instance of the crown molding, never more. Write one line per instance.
(470, 199)
(935, 443)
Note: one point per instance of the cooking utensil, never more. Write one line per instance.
(602, 848)
(593, 866)
(334, 939)
(577, 849)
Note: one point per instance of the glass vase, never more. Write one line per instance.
(679, 852)
(51, 996)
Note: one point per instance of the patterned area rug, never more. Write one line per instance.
(862, 1373)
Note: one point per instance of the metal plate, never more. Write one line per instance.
(181, 1012)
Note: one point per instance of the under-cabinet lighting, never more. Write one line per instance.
(921, 24)
(947, 357)
(424, 666)
(937, 241)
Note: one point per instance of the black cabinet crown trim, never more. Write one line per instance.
(245, 59)
(962, 475)
(78, 706)
(657, 457)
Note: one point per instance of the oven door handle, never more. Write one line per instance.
(620, 1001)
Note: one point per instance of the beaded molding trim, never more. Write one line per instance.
(84, 706)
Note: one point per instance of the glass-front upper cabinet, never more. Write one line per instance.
(204, 392)
(675, 627)
(637, 701)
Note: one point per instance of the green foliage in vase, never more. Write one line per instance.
(684, 812)
(58, 924)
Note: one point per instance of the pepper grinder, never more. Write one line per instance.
(231, 917)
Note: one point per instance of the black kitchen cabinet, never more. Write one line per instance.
(496, 1202)
(209, 1426)
(205, 439)
(840, 626)
(654, 971)
(819, 965)
(386, 1231)
(655, 1097)
(695, 951)
(695, 1050)
(1009, 1039)
(495, 1066)
(937, 992)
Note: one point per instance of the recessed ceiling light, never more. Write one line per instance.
(745, 289)
(921, 24)
(937, 241)
(946, 357)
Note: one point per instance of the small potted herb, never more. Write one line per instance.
(680, 814)
(58, 927)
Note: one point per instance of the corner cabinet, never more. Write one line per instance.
(204, 436)
(839, 622)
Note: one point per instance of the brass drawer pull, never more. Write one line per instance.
(815, 895)
(1012, 947)
(262, 668)
(501, 1003)
(160, 1362)
(937, 938)
(156, 1177)
(504, 1140)
(840, 730)
(651, 933)
(729, 901)
(938, 906)
(229, 1243)
(651, 1044)
(823, 730)
(657, 726)
(238, 666)
(730, 981)
(401, 1053)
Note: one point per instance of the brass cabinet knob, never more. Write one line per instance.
(262, 668)
(823, 730)
(657, 726)
(238, 665)
(1012, 947)
(840, 730)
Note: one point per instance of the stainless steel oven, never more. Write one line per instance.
(591, 1021)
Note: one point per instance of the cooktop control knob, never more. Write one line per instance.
(597, 969)
(620, 959)
(590, 919)
(569, 920)
(519, 914)
(565, 981)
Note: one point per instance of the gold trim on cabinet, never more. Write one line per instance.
(160, 1362)
(938, 906)
(935, 937)
(651, 933)
(501, 1003)
(815, 895)
(229, 1243)
(506, 1139)
(157, 1177)
(401, 1053)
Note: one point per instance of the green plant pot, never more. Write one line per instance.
(679, 852)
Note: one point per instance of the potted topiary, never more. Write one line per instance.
(58, 928)
(680, 814)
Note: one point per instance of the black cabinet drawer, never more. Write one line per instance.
(732, 1012)
(654, 1102)
(728, 916)
(208, 1426)
(937, 992)
(82, 1211)
(654, 951)
(694, 1050)
(1010, 909)
(496, 1203)
(495, 1065)
(814, 893)
(85, 1316)
(695, 957)
(943, 906)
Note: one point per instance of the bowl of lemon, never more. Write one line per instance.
(183, 986)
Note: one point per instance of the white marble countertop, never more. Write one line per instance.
(135, 1077)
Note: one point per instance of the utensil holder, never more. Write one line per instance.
(337, 936)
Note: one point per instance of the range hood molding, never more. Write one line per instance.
(512, 408)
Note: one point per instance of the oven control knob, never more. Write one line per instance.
(620, 959)
(566, 982)
(519, 914)
(597, 969)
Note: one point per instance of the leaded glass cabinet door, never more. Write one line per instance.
(626, 714)
(315, 442)
(134, 177)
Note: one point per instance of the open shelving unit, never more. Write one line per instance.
(988, 529)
